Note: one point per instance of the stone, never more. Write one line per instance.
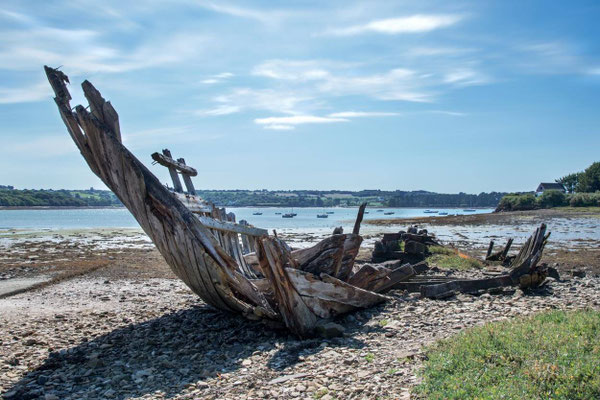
(329, 329)
(578, 273)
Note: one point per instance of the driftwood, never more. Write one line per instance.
(203, 244)
(501, 255)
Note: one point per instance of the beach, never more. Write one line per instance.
(99, 314)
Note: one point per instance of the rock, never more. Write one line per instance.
(329, 329)
(578, 273)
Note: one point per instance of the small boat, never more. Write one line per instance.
(278, 213)
(322, 216)
(366, 212)
(443, 213)
(288, 215)
(379, 210)
(469, 210)
(329, 212)
(388, 213)
(430, 212)
(257, 213)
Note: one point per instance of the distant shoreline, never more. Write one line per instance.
(123, 207)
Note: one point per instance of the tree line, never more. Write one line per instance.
(57, 198)
(583, 190)
(334, 198)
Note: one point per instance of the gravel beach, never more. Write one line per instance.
(128, 329)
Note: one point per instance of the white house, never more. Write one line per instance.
(549, 186)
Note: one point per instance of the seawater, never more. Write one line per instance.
(271, 217)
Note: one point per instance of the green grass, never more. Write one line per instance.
(445, 258)
(553, 355)
(370, 357)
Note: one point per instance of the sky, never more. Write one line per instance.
(461, 96)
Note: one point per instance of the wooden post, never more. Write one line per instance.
(489, 250)
(359, 218)
(176, 183)
(187, 180)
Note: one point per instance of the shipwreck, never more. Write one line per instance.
(242, 269)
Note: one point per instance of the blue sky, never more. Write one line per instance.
(444, 96)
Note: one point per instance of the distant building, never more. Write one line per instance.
(542, 187)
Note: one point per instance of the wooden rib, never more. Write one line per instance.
(273, 256)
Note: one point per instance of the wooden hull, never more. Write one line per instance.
(189, 246)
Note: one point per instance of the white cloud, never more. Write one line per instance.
(291, 70)
(85, 51)
(287, 123)
(219, 110)
(279, 127)
(396, 84)
(555, 57)
(339, 79)
(26, 94)
(465, 77)
(298, 120)
(267, 17)
(243, 99)
(450, 113)
(413, 24)
(358, 114)
(217, 78)
(424, 51)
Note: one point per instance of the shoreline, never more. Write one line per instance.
(9, 208)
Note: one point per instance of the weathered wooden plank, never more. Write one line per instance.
(226, 226)
(273, 257)
(167, 160)
(193, 203)
(327, 296)
(187, 180)
(326, 256)
(173, 172)
(351, 248)
(465, 286)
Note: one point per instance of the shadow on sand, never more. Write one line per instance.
(166, 354)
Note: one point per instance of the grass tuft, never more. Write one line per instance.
(553, 355)
(446, 258)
